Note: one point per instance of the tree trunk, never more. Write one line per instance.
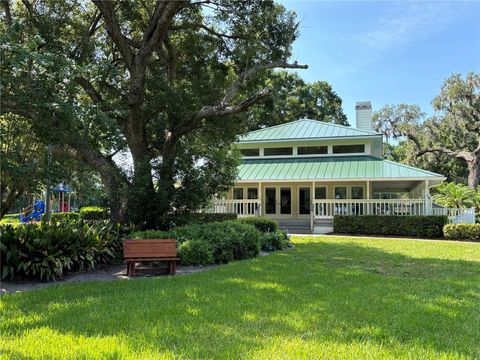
(12, 195)
(474, 172)
(142, 204)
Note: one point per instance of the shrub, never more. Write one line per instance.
(417, 226)
(227, 241)
(469, 232)
(181, 219)
(64, 217)
(195, 252)
(45, 251)
(263, 224)
(10, 219)
(93, 213)
(277, 240)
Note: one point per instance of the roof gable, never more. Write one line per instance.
(304, 129)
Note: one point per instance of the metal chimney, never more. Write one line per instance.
(363, 110)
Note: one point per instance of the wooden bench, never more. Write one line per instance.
(150, 250)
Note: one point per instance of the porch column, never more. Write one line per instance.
(312, 207)
(428, 206)
(368, 197)
(260, 198)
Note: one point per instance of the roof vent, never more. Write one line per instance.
(363, 110)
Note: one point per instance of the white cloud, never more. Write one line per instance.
(402, 24)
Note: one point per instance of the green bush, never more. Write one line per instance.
(227, 240)
(93, 213)
(417, 226)
(277, 240)
(46, 250)
(263, 224)
(181, 219)
(195, 252)
(469, 232)
(64, 217)
(10, 219)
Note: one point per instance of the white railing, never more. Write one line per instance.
(239, 207)
(327, 208)
(456, 216)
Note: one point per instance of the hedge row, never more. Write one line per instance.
(181, 219)
(416, 226)
(219, 242)
(470, 232)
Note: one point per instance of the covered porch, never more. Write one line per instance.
(324, 199)
(315, 203)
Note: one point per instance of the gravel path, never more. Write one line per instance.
(111, 272)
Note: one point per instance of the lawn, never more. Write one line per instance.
(336, 298)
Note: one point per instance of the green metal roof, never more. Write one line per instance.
(304, 129)
(329, 168)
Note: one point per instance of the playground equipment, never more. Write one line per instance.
(33, 212)
(61, 202)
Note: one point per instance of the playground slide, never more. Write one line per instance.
(36, 214)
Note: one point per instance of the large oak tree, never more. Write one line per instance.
(164, 80)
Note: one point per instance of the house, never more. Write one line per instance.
(304, 172)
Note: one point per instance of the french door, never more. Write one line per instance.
(278, 201)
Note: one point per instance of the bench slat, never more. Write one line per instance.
(151, 248)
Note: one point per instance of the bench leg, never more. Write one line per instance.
(131, 269)
(172, 267)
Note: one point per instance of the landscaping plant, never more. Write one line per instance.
(470, 232)
(411, 225)
(46, 250)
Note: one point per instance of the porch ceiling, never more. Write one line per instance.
(330, 168)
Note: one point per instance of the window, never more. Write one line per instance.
(250, 152)
(357, 192)
(252, 193)
(340, 192)
(348, 149)
(320, 192)
(312, 150)
(278, 151)
(238, 193)
(285, 201)
(304, 200)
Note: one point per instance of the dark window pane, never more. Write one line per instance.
(278, 151)
(304, 201)
(340, 192)
(320, 193)
(237, 193)
(357, 192)
(250, 152)
(285, 201)
(252, 193)
(348, 149)
(311, 150)
(270, 200)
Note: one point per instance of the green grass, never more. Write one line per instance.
(335, 298)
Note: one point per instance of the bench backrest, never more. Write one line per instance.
(151, 248)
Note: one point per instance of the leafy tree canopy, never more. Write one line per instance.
(452, 136)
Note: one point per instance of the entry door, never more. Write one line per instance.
(278, 201)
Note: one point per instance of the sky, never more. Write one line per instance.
(388, 52)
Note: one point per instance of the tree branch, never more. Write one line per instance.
(247, 74)
(186, 26)
(87, 86)
(158, 26)
(114, 31)
(8, 14)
